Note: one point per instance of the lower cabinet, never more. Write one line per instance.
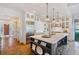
(43, 48)
(40, 47)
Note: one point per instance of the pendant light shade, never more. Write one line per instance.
(47, 19)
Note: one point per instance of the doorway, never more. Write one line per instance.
(76, 23)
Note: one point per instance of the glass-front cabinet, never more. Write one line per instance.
(30, 24)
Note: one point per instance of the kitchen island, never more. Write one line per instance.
(47, 46)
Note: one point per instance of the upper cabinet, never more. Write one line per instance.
(66, 23)
(30, 17)
(30, 22)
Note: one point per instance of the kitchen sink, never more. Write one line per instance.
(46, 36)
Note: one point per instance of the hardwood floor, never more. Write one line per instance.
(10, 46)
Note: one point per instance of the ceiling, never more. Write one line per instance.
(27, 6)
(40, 8)
(71, 4)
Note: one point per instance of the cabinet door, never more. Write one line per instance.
(6, 29)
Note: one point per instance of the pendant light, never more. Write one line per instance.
(53, 20)
(58, 16)
(53, 14)
(47, 18)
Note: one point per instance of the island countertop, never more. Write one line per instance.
(53, 39)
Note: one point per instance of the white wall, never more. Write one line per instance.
(22, 33)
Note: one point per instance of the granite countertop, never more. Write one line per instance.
(53, 39)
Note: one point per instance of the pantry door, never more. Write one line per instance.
(6, 29)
